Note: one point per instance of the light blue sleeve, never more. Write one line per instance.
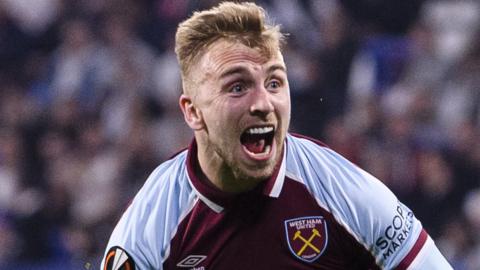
(130, 237)
(148, 225)
(362, 204)
(135, 232)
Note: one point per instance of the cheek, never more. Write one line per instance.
(283, 106)
(220, 118)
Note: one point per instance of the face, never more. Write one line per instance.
(239, 109)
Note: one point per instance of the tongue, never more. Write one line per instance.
(256, 146)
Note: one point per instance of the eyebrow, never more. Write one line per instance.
(233, 71)
(276, 67)
(242, 69)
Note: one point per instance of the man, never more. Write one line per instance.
(246, 194)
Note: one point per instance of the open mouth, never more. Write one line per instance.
(258, 140)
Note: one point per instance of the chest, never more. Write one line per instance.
(260, 232)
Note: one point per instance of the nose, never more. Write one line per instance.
(261, 102)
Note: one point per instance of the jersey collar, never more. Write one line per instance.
(216, 199)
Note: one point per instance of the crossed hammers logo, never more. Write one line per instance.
(307, 243)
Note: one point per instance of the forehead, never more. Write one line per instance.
(223, 55)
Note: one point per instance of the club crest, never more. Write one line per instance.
(307, 237)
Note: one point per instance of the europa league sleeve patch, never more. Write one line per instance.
(118, 259)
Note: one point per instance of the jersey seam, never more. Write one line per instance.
(182, 217)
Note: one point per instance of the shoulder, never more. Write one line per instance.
(361, 203)
(169, 177)
(163, 186)
(315, 164)
(304, 154)
(146, 227)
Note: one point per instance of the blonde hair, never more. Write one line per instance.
(236, 22)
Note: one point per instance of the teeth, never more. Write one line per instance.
(259, 130)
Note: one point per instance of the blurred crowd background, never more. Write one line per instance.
(88, 108)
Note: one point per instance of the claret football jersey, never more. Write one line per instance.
(317, 211)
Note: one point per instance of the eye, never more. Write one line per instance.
(237, 88)
(273, 84)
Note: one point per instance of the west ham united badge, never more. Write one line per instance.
(307, 237)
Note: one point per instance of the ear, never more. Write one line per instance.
(193, 116)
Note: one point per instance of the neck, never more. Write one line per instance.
(215, 170)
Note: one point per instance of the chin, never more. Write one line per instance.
(256, 174)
